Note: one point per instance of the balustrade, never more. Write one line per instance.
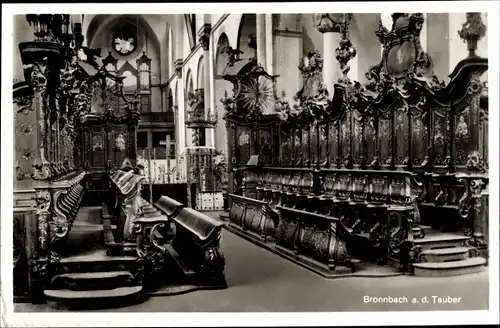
(57, 205)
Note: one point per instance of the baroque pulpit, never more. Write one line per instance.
(66, 132)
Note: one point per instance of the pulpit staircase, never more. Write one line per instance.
(90, 278)
(444, 254)
(114, 257)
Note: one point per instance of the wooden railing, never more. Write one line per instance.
(57, 205)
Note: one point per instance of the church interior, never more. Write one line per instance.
(164, 161)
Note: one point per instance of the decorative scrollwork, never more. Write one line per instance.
(43, 201)
(472, 31)
(345, 51)
(475, 162)
(329, 22)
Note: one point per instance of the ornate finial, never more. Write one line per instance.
(329, 22)
(472, 31)
(345, 51)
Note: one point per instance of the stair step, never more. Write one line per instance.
(444, 269)
(445, 254)
(441, 241)
(97, 261)
(96, 299)
(93, 280)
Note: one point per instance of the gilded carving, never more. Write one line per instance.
(43, 201)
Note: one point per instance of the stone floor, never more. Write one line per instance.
(262, 281)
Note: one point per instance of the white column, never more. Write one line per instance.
(458, 49)
(261, 40)
(423, 34)
(181, 125)
(386, 20)
(211, 81)
(269, 65)
(331, 68)
(204, 36)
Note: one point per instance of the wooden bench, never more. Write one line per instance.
(195, 248)
(317, 240)
(254, 216)
(169, 206)
(376, 208)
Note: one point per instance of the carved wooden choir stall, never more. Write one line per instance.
(392, 172)
(85, 237)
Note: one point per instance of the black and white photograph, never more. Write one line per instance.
(249, 162)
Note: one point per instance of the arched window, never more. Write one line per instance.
(170, 100)
(110, 63)
(129, 73)
(144, 65)
(201, 74)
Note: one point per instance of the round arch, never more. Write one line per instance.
(200, 80)
(220, 56)
(247, 28)
(101, 24)
(189, 83)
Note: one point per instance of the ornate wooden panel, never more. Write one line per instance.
(439, 138)
(242, 145)
(346, 135)
(419, 139)
(266, 146)
(462, 135)
(402, 130)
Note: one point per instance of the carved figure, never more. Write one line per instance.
(120, 143)
(462, 131)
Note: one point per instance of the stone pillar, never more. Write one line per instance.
(331, 26)
(180, 119)
(288, 53)
(204, 37)
(261, 40)
(269, 65)
(423, 34)
(438, 45)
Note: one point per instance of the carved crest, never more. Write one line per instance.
(254, 91)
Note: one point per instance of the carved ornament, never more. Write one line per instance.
(326, 23)
(204, 36)
(178, 67)
(472, 31)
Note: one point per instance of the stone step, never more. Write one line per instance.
(97, 261)
(93, 299)
(447, 254)
(441, 241)
(454, 268)
(93, 280)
